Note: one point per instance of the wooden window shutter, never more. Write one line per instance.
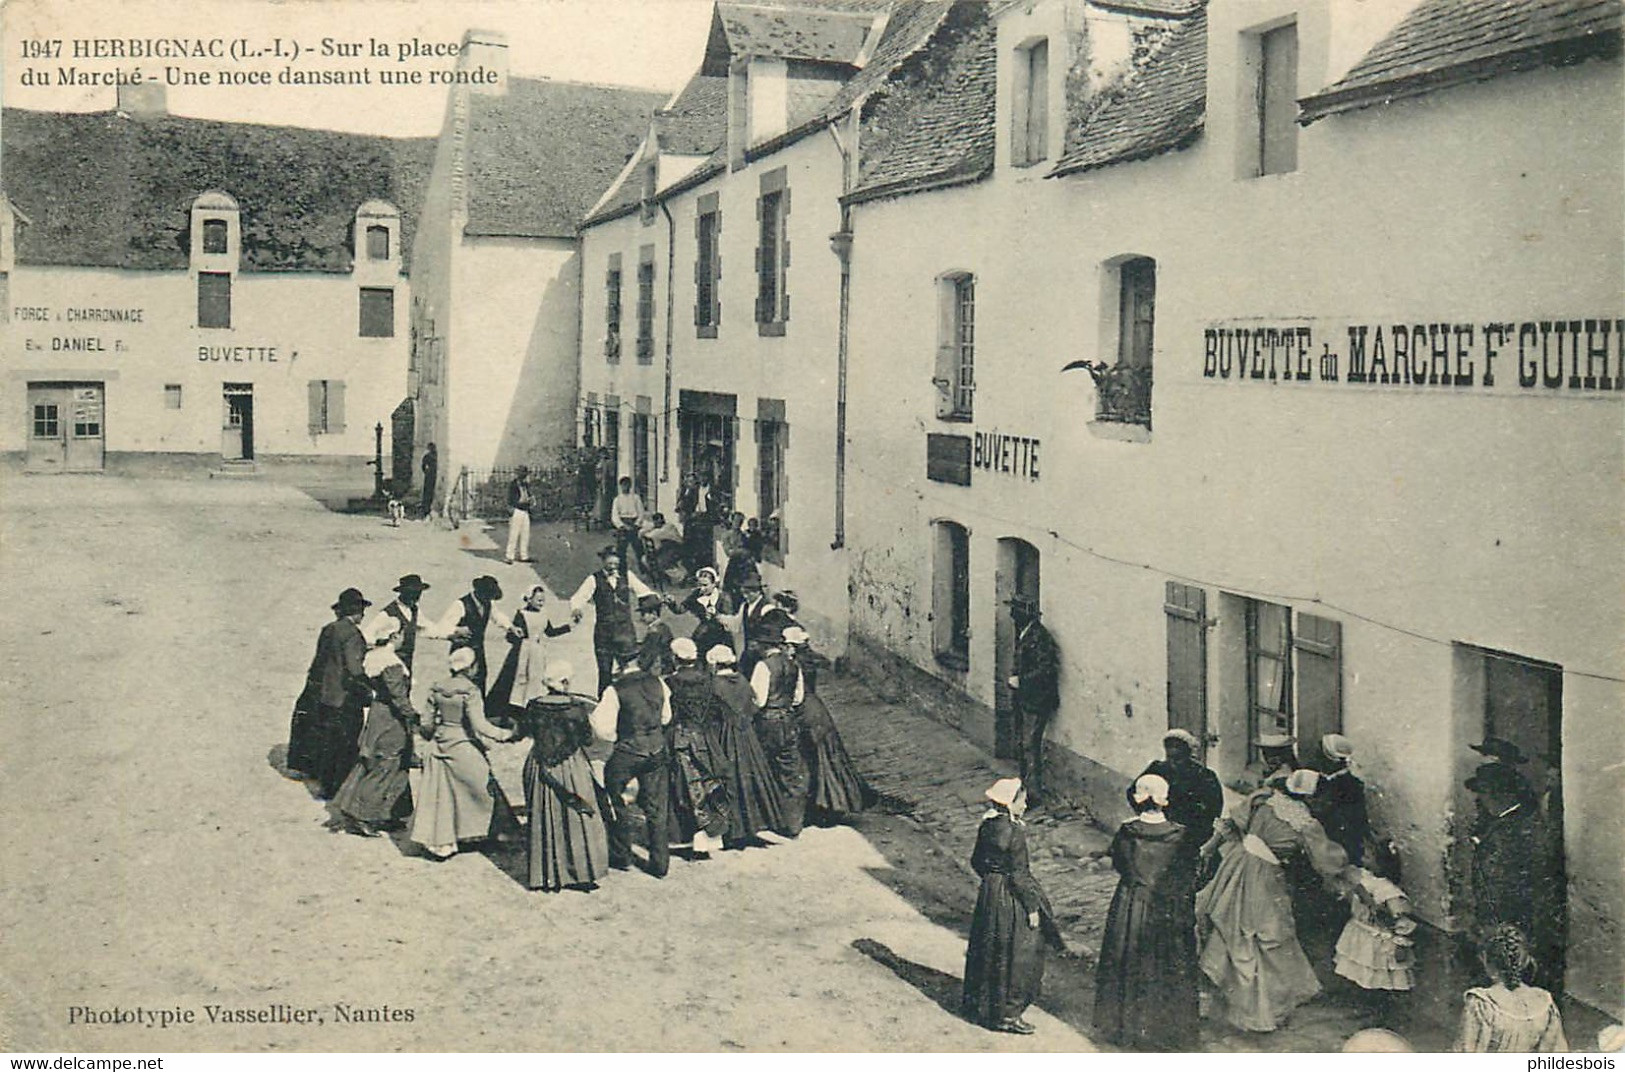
(947, 372)
(335, 406)
(316, 393)
(699, 268)
(716, 269)
(1185, 608)
(1318, 648)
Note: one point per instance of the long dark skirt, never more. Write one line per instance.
(755, 801)
(834, 786)
(780, 735)
(1004, 965)
(1145, 980)
(566, 848)
(699, 786)
(376, 790)
(324, 743)
(497, 699)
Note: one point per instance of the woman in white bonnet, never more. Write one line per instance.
(375, 796)
(1145, 980)
(1004, 963)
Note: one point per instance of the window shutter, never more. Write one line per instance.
(1318, 644)
(716, 269)
(335, 406)
(699, 268)
(947, 369)
(784, 304)
(1185, 608)
(317, 395)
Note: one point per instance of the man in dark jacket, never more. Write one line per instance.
(609, 590)
(404, 609)
(431, 473)
(1036, 684)
(520, 500)
(322, 741)
(632, 714)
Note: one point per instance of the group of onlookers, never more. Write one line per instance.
(1214, 899)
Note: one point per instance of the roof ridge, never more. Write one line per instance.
(114, 113)
(619, 87)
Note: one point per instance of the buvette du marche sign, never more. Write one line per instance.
(1568, 355)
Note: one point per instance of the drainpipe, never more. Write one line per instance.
(665, 414)
(841, 244)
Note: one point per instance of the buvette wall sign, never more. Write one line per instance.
(1559, 355)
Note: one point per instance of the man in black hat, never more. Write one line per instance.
(1036, 685)
(1506, 754)
(520, 500)
(632, 713)
(465, 622)
(1509, 878)
(328, 715)
(610, 590)
(404, 609)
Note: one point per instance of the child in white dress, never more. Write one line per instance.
(1374, 951)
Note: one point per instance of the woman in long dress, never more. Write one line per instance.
(567, 844)
(699, 770)
(755, 801)
(376, 794)
(1250, 947)
(1004, 963)
(461, 800)
(519, 679)
(834, 787)
(1145, 979)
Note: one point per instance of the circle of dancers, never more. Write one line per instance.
(719, 736)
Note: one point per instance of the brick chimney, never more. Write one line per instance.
(487, 49)
(148, 98)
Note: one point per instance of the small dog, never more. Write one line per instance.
(397, 509)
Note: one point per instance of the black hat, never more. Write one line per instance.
(412, 583)
(649, 602)
(351, 601)
(1496, 778)
(488, 586)
(1501, 749)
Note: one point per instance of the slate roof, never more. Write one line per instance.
(1448, 42)
(106, 190)
(697, 120)
(540, 155)
(1157, 106)
(932, 124)
(795, 33)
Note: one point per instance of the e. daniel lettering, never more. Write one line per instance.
(1575, 355)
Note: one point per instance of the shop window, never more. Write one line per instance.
(612, 309)
(956, 346)
(950, 592)
(772, 440)
(377, 242)
(326, 407)
(772, 255)
(214, 236)
(377, 312)
(214, 299)
(1029, 124)
(172, 396)
(1276, 96)
(708, 268)
(646, 305)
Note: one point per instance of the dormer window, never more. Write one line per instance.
(650, 180)
(1029, 124)
(215, 232)
(378, 242)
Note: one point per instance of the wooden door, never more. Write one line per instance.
(48, 418)
(86, 443)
